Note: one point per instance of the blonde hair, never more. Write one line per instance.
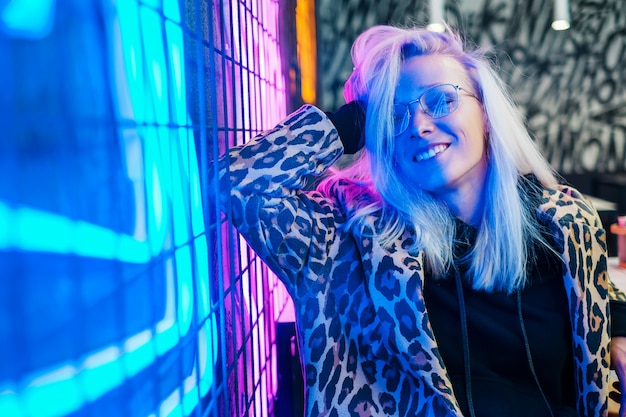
(508, 228)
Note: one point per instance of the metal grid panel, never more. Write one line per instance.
(125, 291)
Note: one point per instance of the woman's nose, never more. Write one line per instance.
(420, 123)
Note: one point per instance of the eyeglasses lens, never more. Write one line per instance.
(438, 101)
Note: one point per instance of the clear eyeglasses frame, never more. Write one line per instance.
(436, 101)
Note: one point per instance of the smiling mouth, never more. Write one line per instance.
(431, 153)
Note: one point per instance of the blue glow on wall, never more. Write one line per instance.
(135, 291)
(27, 18)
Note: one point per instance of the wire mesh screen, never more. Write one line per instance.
(124, 291)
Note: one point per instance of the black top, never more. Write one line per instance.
(501, 378)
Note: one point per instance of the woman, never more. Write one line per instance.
(446, 272)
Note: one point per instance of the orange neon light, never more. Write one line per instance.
(307, 54)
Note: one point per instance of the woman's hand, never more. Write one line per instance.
(618, 362)
(349, 121)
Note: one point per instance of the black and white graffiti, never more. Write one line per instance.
(570, 84)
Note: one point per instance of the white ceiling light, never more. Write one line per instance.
(436, 16)
(561, 15)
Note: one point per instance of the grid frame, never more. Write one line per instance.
(147, 300)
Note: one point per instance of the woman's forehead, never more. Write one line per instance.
(431, 69)
(420, 72)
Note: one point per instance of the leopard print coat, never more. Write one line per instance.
(365, 339)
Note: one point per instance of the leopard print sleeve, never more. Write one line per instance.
(263, 185)
(586, 279)
(615, 294)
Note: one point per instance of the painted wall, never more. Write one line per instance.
(571, 85)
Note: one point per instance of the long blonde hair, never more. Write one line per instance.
(498, 258)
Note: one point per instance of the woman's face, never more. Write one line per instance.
(444, 156)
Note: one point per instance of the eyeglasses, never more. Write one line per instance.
(437, 101)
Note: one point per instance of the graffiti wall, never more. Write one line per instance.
(570, 84)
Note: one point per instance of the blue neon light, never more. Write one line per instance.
(30, 19)
(162, 165)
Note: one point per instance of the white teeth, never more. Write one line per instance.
(430, 153)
